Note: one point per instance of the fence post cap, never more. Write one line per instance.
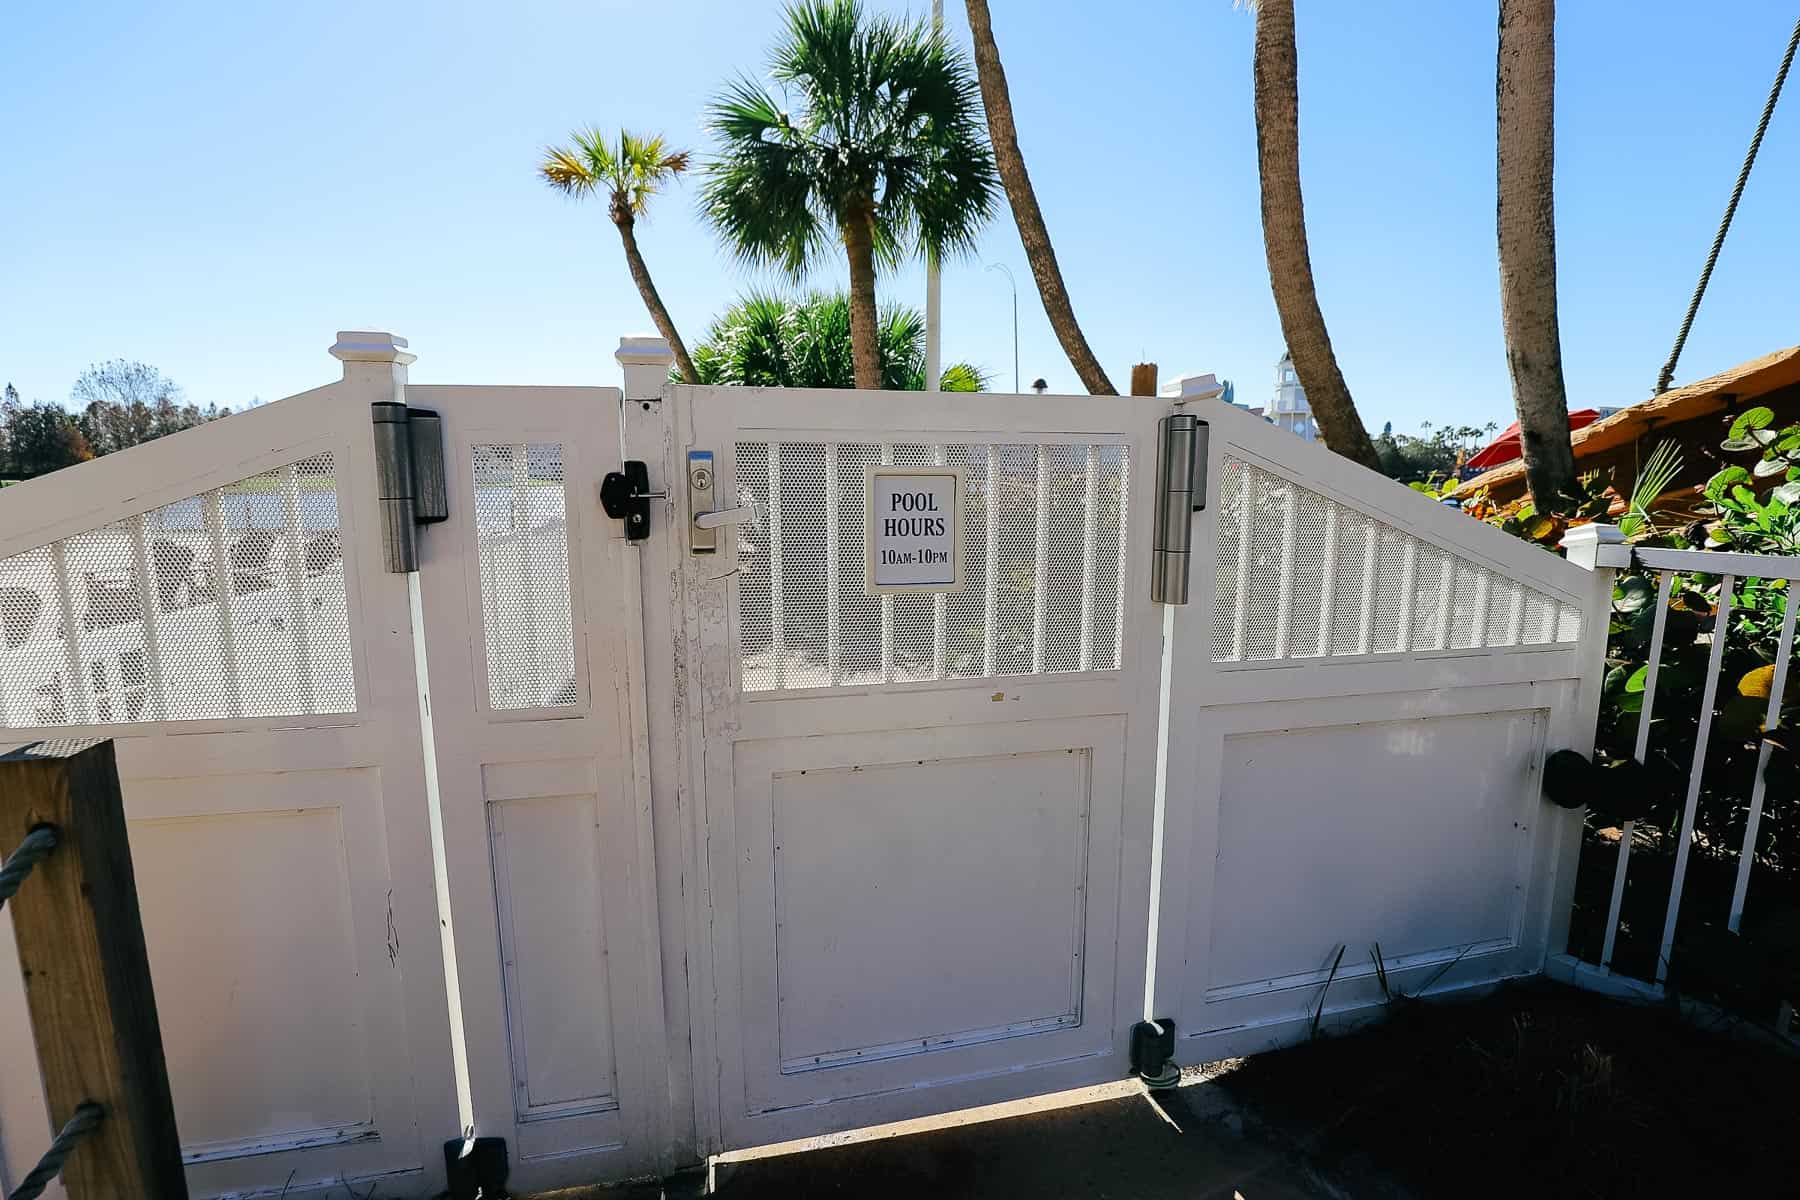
(370, 345)
(644, 350)
(1596, 545)
(1595, 532)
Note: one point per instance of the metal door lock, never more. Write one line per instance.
(706, 520)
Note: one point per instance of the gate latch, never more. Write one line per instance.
(625, 495)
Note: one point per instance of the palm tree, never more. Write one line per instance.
(772, 341)
(883, 153)
(630, 172)
(997, 99)
(1284, 235)
(1526, 218)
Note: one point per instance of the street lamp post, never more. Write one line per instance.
(934, 282)
(1002, 267)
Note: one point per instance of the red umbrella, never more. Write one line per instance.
(1505, 448)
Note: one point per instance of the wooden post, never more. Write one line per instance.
(1143, 379)
(87, 976)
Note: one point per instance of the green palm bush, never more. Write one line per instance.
(876, 146)
(773, 341)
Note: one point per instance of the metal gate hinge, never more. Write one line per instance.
(625, 495)
(1153, 1053)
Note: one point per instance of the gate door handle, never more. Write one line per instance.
(722, 518)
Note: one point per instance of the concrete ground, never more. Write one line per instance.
(1114, 1142)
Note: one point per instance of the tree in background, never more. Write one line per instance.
(996, 97)
(9, 404)
(41, 438)
(883, 153)
(630, 172)
(1525, 120)
(122, 404)
(1284, 235)
(774, 341)
(1435, 454)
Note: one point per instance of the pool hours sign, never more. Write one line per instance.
(915, 529)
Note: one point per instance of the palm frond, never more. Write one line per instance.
(1657, 473)
(566, 171)
(886, 120)
(630, 170)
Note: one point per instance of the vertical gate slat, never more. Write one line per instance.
(1284, 599)
(777, 620)
(1715, 660)
(1446, 586)
(1241, 609)
(1328, 581)
(887, 598)
(1483, 582)
(150, 604)
(834, 650)
(299, 625)
(1090, 513)
(937, 598)
(1365, 629)
(1409, 580)
(519, 516)
(80, 701)
(1123, 555)
(1041, 571)
(1643, 747)
(1771, 718)
(990, 603)
(213, 507)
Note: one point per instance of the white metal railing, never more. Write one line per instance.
(1731, 569)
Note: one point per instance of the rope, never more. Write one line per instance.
(34, 849)
(86, 1119)
(1668, 372)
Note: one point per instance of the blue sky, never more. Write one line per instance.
(216, 188)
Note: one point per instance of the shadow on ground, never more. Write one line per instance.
(1532, 1090)
(1196, 1148)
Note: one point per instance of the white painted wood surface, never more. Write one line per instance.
(546, 836)
(283, 863)
(684, 917)
(1311, 803)
(929, 894)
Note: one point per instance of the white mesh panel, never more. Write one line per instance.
(1299, 575)
(522, 544)
(1043, 537)
(125, 623)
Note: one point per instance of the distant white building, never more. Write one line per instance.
(1290, 410)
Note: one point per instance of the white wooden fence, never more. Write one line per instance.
(630, 851)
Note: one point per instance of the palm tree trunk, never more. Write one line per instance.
(1010, 162)
(1526, 218)
(640, 275)
(865, 342)
(1284, 236)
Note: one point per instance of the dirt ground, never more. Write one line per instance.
(1536, 1090)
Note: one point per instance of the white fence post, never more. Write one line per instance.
(1602, 550)
(659, 654)
(375, 365)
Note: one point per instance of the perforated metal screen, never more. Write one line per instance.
(1302, 576)
(1043, 537)
(522, 548)
(230, 603)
